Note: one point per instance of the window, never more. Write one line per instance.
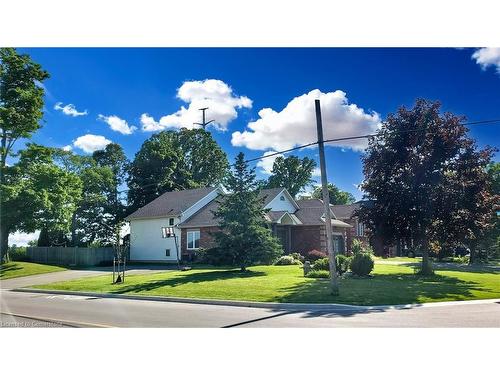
(167, 252)
(282, 198)
(193, 240)
(171, 221)
(360, 229)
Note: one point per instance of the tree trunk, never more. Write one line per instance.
(472, 256)
(4, 242)
(426, 264)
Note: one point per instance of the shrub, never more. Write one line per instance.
(322, 264)
(318, 274)
(298, 256)
(200, 256)
(314, 255)
(359, 247)
(361, 264)
(287, 260)
(18, 254)
(342, 263)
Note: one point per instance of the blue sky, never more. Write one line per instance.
(128, 83)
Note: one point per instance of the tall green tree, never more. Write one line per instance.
(292, 173)
(174, 160)
(418, 177)
(21, 103)
(337, 196)
(43, 195)
(244, 238)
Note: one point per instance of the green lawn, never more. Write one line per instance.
(400, 259)
(391, 284)
(18, 269)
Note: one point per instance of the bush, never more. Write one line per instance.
(342, 263)
(318, 274)
(314, 255)
(298, 256)
(200, 256)
(322, 264)
(287, 260)
(18, 254)
(361, 264)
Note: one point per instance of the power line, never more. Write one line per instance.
(373, 135)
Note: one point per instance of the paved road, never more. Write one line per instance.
(112, 312)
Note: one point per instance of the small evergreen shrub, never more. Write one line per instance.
(314, 255)
(361, 264)
(318, 274)
(287, 260)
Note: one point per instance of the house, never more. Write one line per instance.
(357, 230)
(178, 223)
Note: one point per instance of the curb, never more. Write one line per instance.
(268, 305)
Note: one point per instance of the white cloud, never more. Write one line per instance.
(316, 172)
(487, 57)
(117, 124)
(90, 143)
(296, 123)
(22, 239)
(69, 109)
(67, 148)
(217, 95)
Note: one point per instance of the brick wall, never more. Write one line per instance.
(351, 234)
(206, 239)
(306, 238)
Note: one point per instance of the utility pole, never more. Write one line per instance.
(334, 283)
(203, 123)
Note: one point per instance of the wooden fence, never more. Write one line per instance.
(71, 256)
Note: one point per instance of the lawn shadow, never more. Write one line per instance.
(189, 277)
(393, 289)
(4, 268)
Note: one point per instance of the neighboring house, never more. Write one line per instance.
(300, 225)
(358, 230)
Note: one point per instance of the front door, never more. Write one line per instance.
(283, 233)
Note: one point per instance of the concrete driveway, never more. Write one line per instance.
(52, 277)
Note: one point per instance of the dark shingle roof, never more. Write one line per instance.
(345, 211)
(171, 203)
(274, 216)
(204, 217)
(310, 211)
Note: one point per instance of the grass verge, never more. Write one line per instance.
(390, 284)
(19, 269)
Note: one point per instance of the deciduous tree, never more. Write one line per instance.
(292, 173)
(337, 196)
(21, 103)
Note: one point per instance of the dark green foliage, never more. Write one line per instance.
(244, 238)
(361, 264)
(292, 173)
(314, 255)
(318, 274)
(287, 260)
(174, 160)
(21, 103)
(17, 254)
(336, 195)
(425, 180)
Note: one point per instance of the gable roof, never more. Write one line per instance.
(311, 211)
(204, 217)
(269, 194)
(171, 203)
(345, 211)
